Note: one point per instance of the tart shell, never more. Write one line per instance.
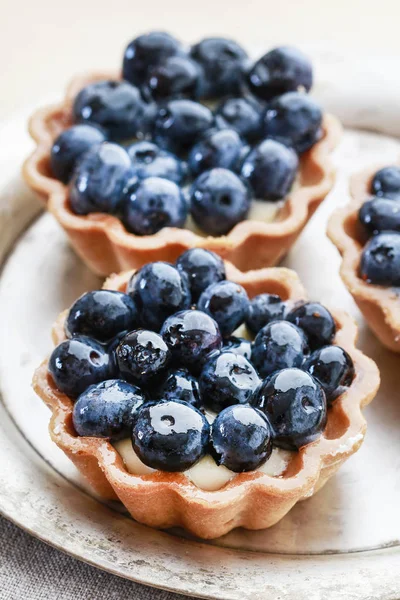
(252, 500)
(106, 246)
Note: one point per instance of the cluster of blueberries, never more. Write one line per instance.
(380, 218)
(149, 362)
(248, 146)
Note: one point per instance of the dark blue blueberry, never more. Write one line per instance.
(170, 435)
(180, 385)
(222, 61)
(295, 405)
(281, 70)
(117, 106)
(101, 314)
(99, 179)
(202, 267)
(278, 345)
(243, 115)
(263, 309)
(316, 321)
(219, 200)
(333, 368)
(159, 290)
(226, 302)
(151, 205)
(294, 119)
(227, 378)
(146, 51)
(107, 409)
(270, 168)
(238, 346)
(179, 123)
(380, 214)
(177, 77)
(142, 356)
(241, 438)
(148, 160)
(217, 148)
(78, 363)
(69, 146)
(192, 336)
(380, 260)
(386, 183)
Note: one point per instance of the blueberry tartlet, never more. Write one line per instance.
(185, 147)
(367, 234)
(204, 397)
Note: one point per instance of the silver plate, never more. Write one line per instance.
(343, 543)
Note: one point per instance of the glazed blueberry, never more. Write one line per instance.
(295, 405)
(146, 51)
(159, 290)
(180, 385)
(241, 114)
(270, 168)
(217, 148)
(69, 146)
(78, 363)
(177, 77)
(278, 345)
(192, 336)
(219, 200)
(263, 309)
(202, 267)
(281, 70)
(241, 438)
(386, 183)
(333, 368)
(99, 179)
(101, 315)
(380, 260)
(226, 302)
(227, 378)
(107, 409)
(117, 106)
(238, 346)
(142, 356)
(148, 160)
(316, 321)
(151, 205)
(222, 61)
(380, 214)
(170, 435)
(294, 119)
(179, 123)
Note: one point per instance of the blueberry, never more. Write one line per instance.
(99, 179)
(380, 260)
(69, 146)
(316, 321)
(180, 385)
(278, 345)
(219, 200)
(263, 309)
(380, 214)
(148, 160)
(295, 405)
(101, 315)
(142, 356)
(241, 114)
(151, 205)
(217, 148)
(192, 336)
(238, 345)
(179, 123)
(177, 77)
(333, 368)
(78, 363)
(107, 409)
(241, 438)
(202, 267)
(227, 302)
(170, 435)
(146, 51)
(222, 61)
(227, 378)
(386, 182)
(281, 70)
(159, 290)
(117, 106)
(270, 168)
